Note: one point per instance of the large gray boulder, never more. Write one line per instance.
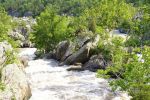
(83, 54)
(96, 62)
(16, 85)
(69, 51)
(61, 49)
(12, 76)
(82, 38)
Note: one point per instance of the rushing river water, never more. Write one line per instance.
(48, 81)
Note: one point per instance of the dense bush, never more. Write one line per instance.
(5, 24)
(130, 71)
(109, 14)
(20, 7)
(51, 28)
(5, 27)
(35, 7)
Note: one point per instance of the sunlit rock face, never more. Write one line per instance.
(12, 77)
(48, 81)
(16, 84)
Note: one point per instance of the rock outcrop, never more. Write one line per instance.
(16, 85)
(83, 54)
(69, 53)
(22, 31)
(12, 75)
(70, 50)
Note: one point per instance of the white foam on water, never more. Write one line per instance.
(48, 81)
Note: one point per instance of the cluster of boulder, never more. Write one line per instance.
(80, 54)
(21, 32)
(12, 76)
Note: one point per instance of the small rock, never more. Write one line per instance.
(75, 68)
(96, 62)
(24, 60)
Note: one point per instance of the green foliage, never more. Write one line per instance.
(5, 24)
(111, 13)
(23, 6)
(133, 41)
(132, 74)
(2, 86)
(69, 18)
(50, 29)
(10, 59)
(139, 2)
(139, 27)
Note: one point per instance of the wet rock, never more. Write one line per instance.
(96, 62)
(75, 68)
(50, 55)
(61, 49)
(70, 50)
(24, 60)
(83, 54)
(28, 14)
(26, 44)
(17, 86)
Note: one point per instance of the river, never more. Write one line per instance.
(48, 81)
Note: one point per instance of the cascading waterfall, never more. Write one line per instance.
(48, 81)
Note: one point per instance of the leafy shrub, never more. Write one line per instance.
(132, 74)
(110, 14)
(5, 27)
(139, 29)
(133, 41)
(2, 86)
(5, 24)
(50, 29)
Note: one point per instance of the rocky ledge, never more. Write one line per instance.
(13, 77)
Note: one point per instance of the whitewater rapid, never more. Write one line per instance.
(48, 81)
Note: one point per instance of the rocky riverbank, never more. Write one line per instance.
(13, 80)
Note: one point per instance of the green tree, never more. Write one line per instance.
(50, 29)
